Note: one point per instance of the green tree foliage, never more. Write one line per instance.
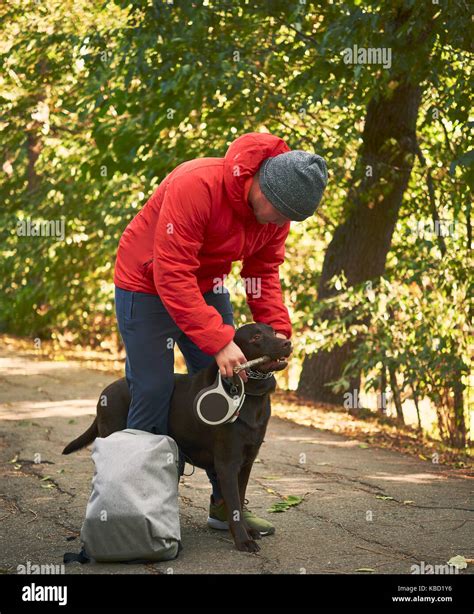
(100, 100)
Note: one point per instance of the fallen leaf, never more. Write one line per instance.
(458, 561)
(283, 506)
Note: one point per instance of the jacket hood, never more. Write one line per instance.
(242, 160)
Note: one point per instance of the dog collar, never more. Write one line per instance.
(254, 374)
(257, 375)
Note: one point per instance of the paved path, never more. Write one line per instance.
(354, 515)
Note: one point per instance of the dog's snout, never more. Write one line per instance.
(287, 347)
(281, 349)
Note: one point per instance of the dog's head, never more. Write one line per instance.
(257, 340)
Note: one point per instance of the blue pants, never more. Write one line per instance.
(149, 334)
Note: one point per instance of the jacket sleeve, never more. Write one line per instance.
(266, 303)
(179, 236)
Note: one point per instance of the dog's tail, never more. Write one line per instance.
(84, 439)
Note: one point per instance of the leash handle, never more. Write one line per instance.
(251, 363)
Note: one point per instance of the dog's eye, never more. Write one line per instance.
(257, 337)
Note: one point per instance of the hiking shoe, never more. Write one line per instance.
(217, 519)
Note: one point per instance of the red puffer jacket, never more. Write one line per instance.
(197, 222)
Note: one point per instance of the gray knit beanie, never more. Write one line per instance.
(294, 182)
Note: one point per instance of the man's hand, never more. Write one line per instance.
(229, 357)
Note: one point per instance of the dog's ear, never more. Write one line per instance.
(252, 412)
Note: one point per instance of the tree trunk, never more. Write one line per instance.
(397, 397)
(458, 430)
(415, 398)
(381, 401)
(360, 244)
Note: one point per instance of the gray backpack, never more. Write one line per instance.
(133, 513)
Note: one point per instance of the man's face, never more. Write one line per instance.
(263, 209)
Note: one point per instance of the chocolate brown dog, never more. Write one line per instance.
(230, 449)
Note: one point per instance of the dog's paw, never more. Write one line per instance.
(254, 533)
(248, 545)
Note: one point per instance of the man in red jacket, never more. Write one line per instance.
(175, 254)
